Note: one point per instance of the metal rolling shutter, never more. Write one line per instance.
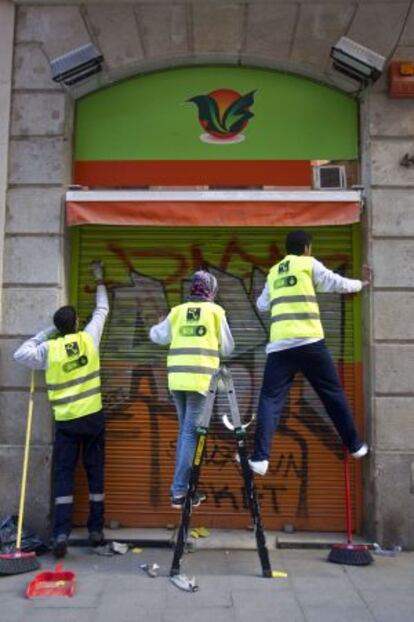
(148, 269)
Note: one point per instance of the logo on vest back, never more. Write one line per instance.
(71, 365)
(72, 349)
(283, 267)
(193, 331)
(285, 281)
(193, 314)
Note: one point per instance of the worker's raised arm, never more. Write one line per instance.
(161, 333)
(226, 338)
(263, 302)
(33, 352)
(326, 281)
(96, 325)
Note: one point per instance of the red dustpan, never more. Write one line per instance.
(56, 582)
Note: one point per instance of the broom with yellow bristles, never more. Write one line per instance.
(18, 561)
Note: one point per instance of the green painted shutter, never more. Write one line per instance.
(148, 271)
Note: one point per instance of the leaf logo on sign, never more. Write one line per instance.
(223, 114)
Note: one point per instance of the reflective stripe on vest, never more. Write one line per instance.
(294, 306)
(73, 376)
(194, 353)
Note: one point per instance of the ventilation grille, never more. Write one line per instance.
(329, 177)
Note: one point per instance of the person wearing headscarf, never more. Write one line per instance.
(198, 334)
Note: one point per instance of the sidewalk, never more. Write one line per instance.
(115, 589)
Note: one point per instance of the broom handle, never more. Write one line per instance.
(25, 463)
(347, 497)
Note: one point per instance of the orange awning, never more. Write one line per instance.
(213, 213)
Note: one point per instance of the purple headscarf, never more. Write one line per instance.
(203, 286)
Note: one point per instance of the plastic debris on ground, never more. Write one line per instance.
(136, 550)
(278, 574)
(184, 583)
(151, 570)
(8, 534)
(396, 550)
(111, 548)
(200, 532)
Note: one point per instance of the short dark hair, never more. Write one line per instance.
(65, 320)
(296, 242)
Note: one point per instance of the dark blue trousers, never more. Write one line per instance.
(316, 364)
(86, 434)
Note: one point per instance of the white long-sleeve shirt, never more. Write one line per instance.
(34, 351)
(161, 334)
(324, 281)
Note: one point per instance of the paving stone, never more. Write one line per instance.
(247, 607)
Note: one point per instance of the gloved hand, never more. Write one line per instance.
(97, 268)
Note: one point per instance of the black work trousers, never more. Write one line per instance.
(87, 434)
(316, 364)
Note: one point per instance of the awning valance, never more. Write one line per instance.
(209, 208)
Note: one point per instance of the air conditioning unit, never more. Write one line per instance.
(329, 177)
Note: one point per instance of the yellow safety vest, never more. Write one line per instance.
(293, 303)
(194, 350)
(73, 376)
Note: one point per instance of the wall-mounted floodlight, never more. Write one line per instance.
(77, 65)
(357, 61)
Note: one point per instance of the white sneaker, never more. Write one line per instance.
(361, 452)
(259, 466)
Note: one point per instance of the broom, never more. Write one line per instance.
(349, 553)
(18, 562)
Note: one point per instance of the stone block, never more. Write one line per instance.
(13, 374)
(31, 260)
(27, 310)
(35, 210)
(163, 28)
(38, 114)
(270, 29)
(378, 25)
(60, 29)
(107, 24)
(390, 117)
(394, 423)
(395, 499)
(31, 68)
(392, 263)
(37, 509)
(392, 213)
(319, 26)
(13, 413)
(5, 96)
(6, 40)
(407, 36)
(217, 27)
(387, 307)
(38, 161)
(393, 369)
(386, 169)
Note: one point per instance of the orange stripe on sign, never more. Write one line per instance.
(212, 214)
(135, 173)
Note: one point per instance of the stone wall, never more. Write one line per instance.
(139, 37)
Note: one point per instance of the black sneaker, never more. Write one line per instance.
(96, 538)
(178, 502)
(60, 546)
